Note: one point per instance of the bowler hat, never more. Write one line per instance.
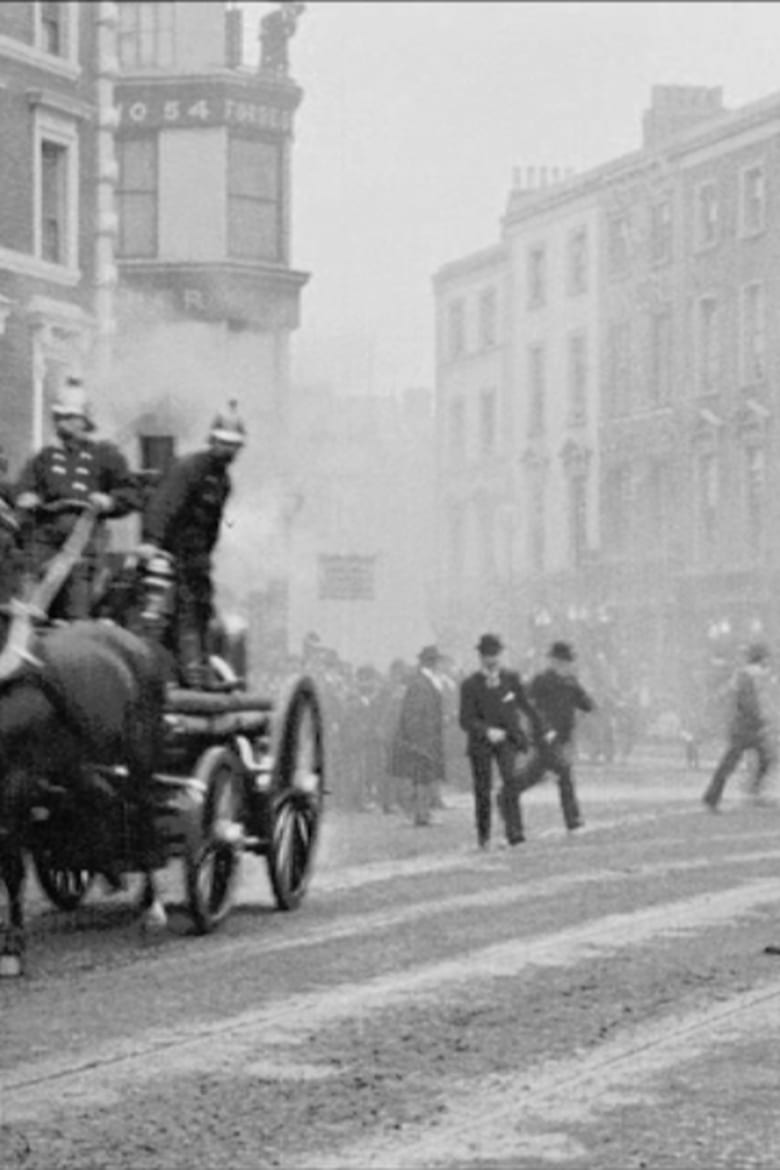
(429, 656)
(490, 644)
(562, 651)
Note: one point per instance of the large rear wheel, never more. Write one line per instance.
(212, 854)
(296, 796)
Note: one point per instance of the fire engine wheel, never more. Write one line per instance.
(213, 853)
(65, 887)
(296, 797)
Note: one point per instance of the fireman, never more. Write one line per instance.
(55, 486)
(183, 518)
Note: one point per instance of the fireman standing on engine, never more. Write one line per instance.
(183, 518)
(58, 483)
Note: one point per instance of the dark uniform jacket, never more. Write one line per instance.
(185, 511)
(502, 705)
(58, 473)
(557, 698)
(418, 746)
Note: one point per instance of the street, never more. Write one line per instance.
(601, 1000)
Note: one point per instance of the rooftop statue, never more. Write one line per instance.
(275, 31)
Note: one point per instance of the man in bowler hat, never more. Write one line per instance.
(557, 696)
(491, 702)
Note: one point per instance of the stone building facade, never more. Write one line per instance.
(681, 550)
(48, 202)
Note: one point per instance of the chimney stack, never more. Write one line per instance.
(676, 108)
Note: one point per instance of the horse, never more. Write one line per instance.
(75, 697)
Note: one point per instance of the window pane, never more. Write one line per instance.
(253, 229)
(253, 168)
(53, 202)
(137, 224)
(138, 164)
(53, 28)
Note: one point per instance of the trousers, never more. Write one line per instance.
(737, 746)
(555, 758)
(504, 755)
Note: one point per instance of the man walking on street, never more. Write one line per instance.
(491, 702)
(557, 696)
(750, 727)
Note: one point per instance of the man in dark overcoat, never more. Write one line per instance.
(557, 696)
(493, 704)
(418, 747)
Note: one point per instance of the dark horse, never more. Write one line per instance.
(73, 698)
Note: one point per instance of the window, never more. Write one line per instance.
(618, 243)
(661, 357)
(56, 191)
(706, 215)
(708, 348)
(53, 28)
(538, 391)
(456, 329)
(707, 491)
(488, 430)
(661, 232)
(54, 202)
(656, 503)
(456, 542)
(157, 453)
(137, 196)
(487, 317)
(578, 379)
(619, 508)
(578, 262)
(146, 34)
(578, 513)
(537, 278)
(537, 535)
(753, 334)
(755, 481)
(457, 430)
(253, 199)
(752, 201)
(619, 368)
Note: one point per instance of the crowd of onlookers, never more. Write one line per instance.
(361, 706)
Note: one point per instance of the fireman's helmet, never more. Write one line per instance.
(228, 427)
(71, 401)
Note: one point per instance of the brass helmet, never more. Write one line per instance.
(72, 400)
(228, 427)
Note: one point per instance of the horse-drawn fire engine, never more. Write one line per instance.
(236, 772)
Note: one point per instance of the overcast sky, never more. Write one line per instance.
(414, 114)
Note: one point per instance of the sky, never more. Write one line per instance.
(414, 115)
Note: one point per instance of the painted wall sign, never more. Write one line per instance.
(202, 105)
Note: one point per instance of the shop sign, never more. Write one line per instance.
(199, 106)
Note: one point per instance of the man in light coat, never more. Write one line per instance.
(418, 748)
(750, 726)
